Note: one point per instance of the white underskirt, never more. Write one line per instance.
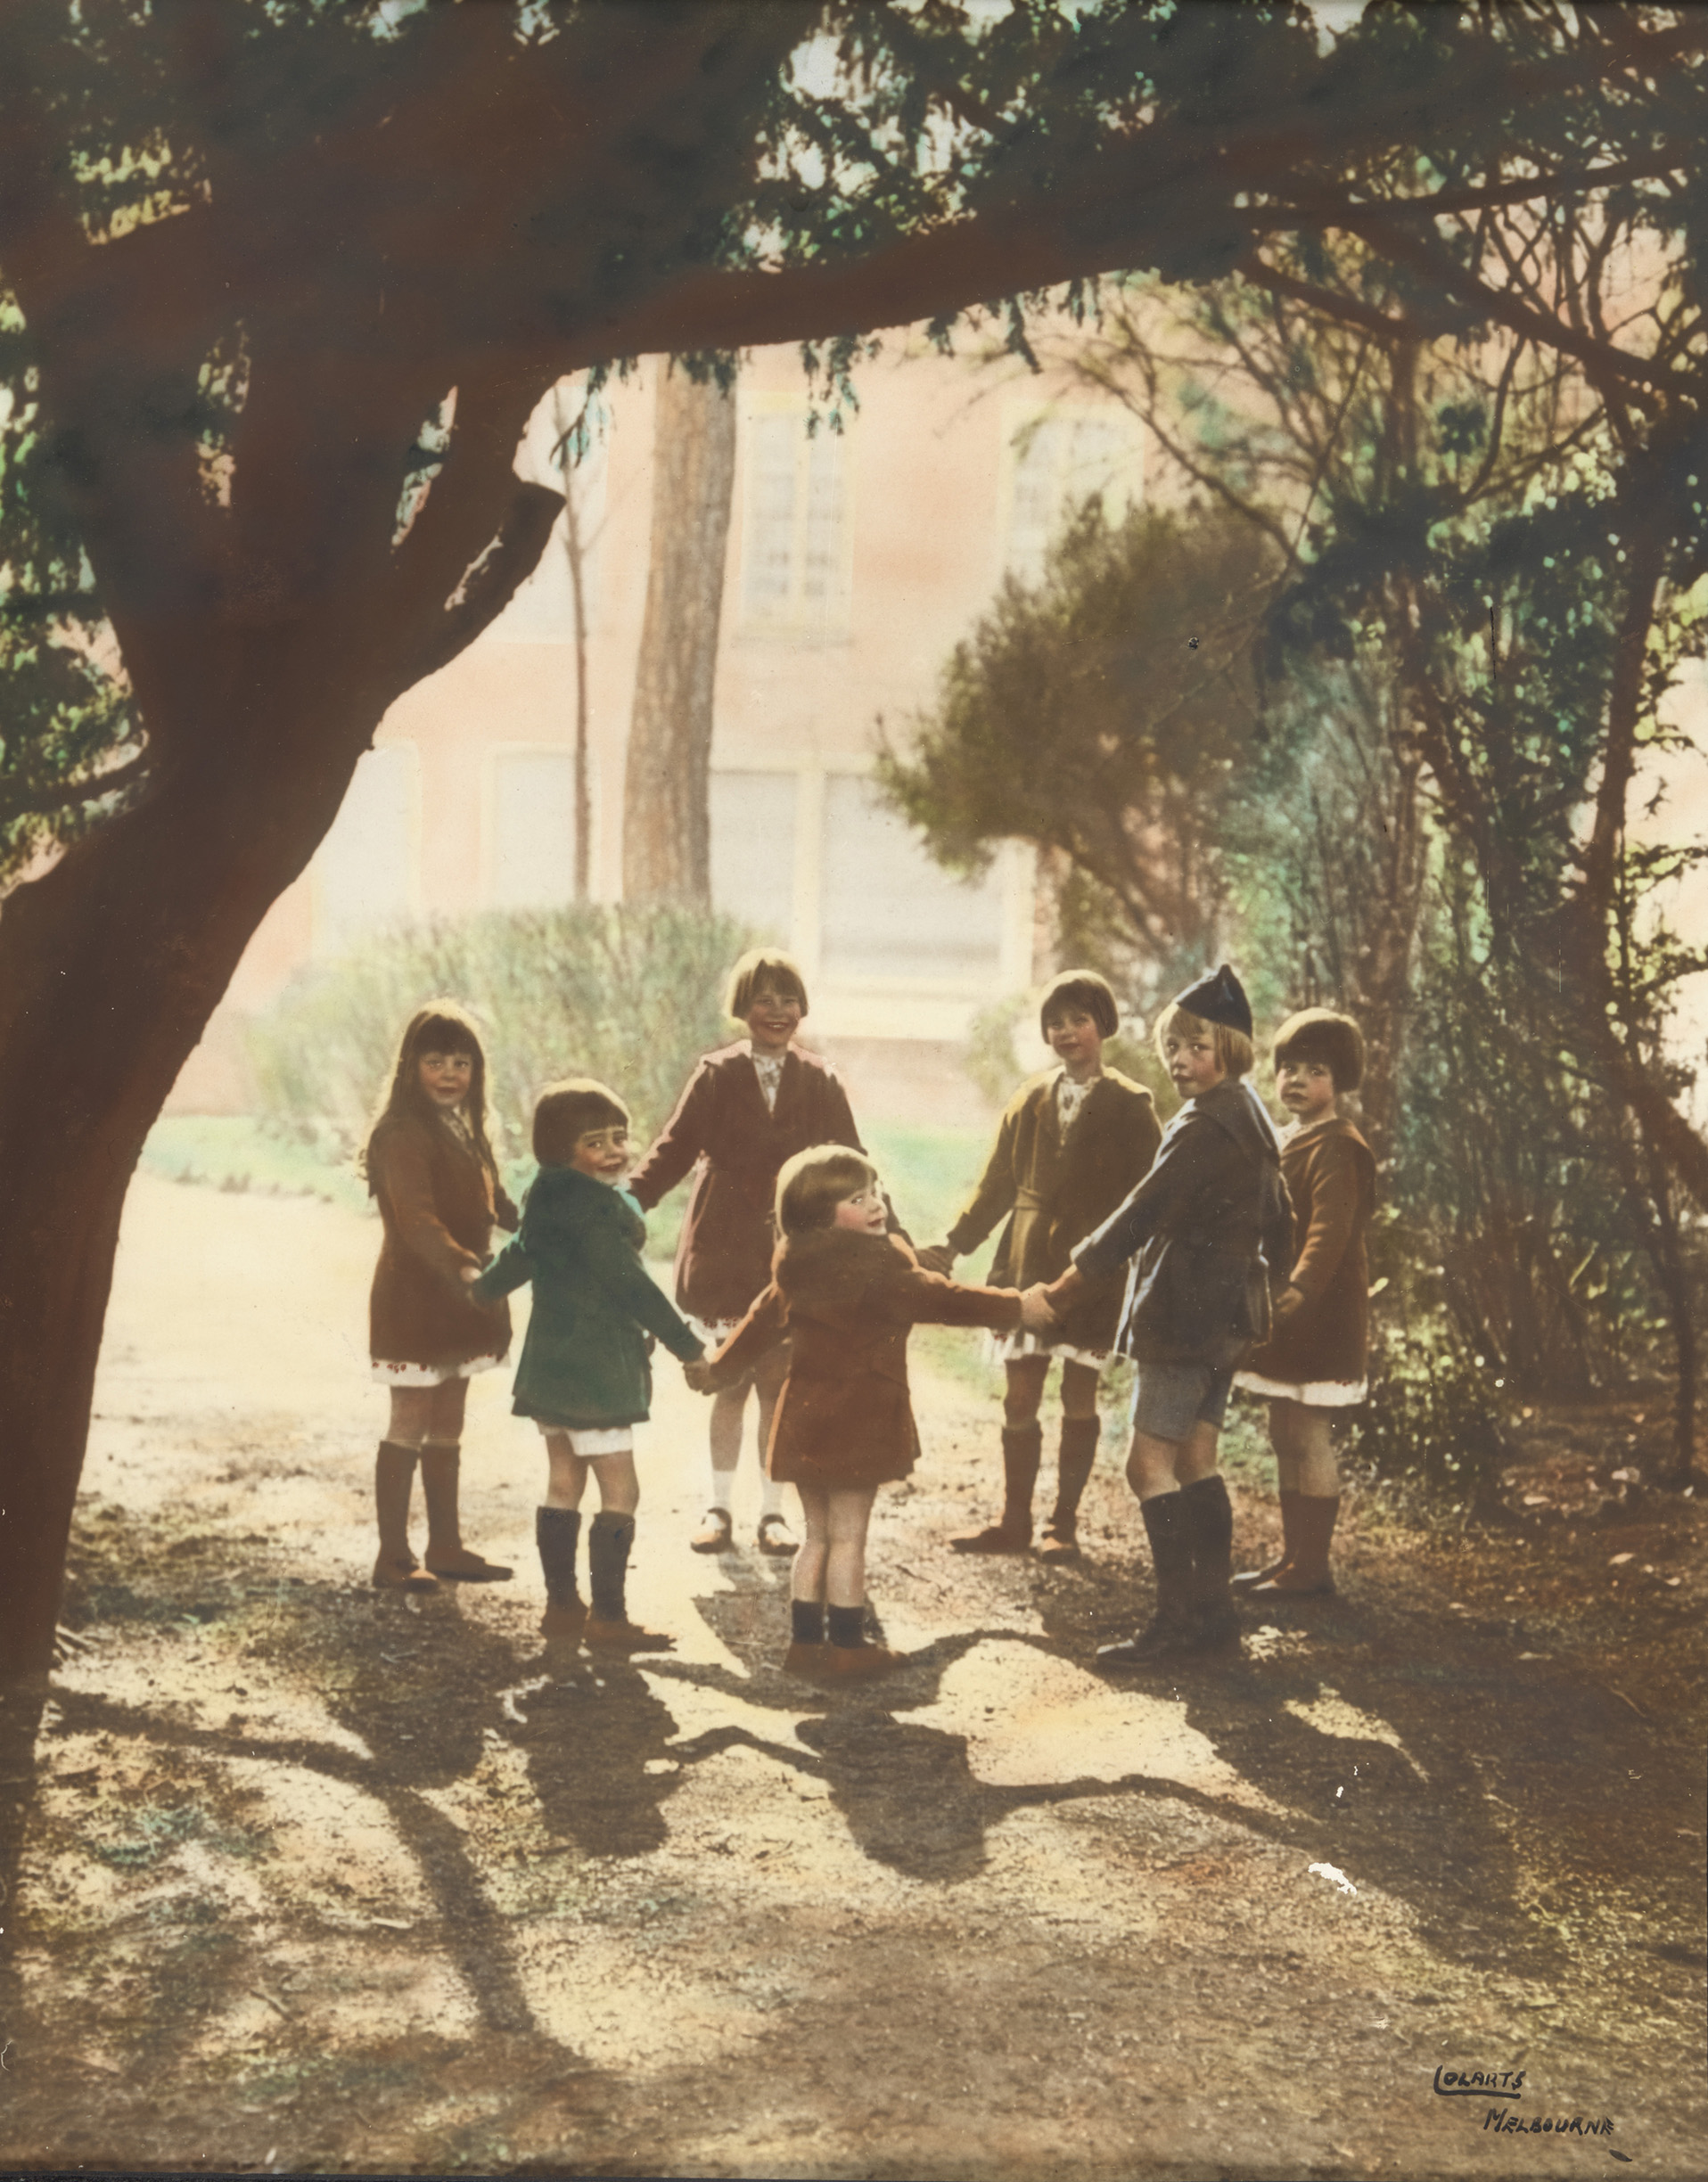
(1010, 1347)
(432, 1374)
(595, 1440)
(1314, 1393)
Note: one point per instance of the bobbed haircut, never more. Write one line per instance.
(1234, 1052)
(446, 1026)
(1320, 1035)
(564, 1112)
(1081, 989)
(759, 967)
(815, 1181)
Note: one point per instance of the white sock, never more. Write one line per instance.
(723, 1489)
(770, 1497)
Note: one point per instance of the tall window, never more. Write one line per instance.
(531, 843)
(364, 870)
(753, 850)
(887, 910)
(1057, 460)
(795, 530)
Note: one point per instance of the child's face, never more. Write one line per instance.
(445, 1077)
(773, 1019)
(603, 1152)
(863, 1211)
(1193, 1065)
(1075, 1037)
(1306, 1089)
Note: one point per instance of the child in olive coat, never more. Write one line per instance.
(1070, 1145)
(585, 1377)
(1314, 1362)
(1208, 1230)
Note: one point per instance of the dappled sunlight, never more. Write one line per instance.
(1329, 1714)
(1032, 1718)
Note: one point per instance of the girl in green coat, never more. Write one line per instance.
(585, 1377)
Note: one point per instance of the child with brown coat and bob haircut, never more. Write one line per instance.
(845, 1295)
(1070, 1145)
(1207, 1231)
(1314, 1362)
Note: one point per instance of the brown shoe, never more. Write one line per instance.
(462, 1564)
(624, 1637)
(569, 1620)
(776, 1537)
(1305, 1573)
(993, 1539)
(716, 1535)
(392, 1573)
(1060, 1542)
(1249, 1579)
(859, 1662)
(808, 1660)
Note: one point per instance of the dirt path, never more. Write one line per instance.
(309, 1879)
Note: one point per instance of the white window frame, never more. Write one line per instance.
(795, 619)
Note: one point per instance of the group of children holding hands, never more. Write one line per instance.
(1213, 1254)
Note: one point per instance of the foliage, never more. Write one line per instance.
(632, 996)
(1101, 714)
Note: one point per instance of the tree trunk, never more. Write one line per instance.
(110, 965)
(667, 830)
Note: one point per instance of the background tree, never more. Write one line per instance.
(260, 250)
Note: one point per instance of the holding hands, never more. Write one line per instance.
(1036, 1317)
(698, 1375)
(939, 1257)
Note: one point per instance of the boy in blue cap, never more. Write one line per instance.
(1208, 1230)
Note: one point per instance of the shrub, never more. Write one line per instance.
(628, 994)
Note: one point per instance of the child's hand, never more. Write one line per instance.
(936, 1258)
(698, 1375)
(1035, 1313)
(468, 1275)
(1287, 1305)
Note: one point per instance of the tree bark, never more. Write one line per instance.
(667, 836)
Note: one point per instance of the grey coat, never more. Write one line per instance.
(1209, 1231)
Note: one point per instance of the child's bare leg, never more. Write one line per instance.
(448, 1402)
(768, 1375)
(619, 1485)
(1022, 1443)
(566, 1475)
(1309, 1501)
(412, 1415)
(728, 1414)
(849, 1515)
(807, 1586)
(1283, 1439)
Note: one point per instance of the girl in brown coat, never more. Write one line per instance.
(1314, 1361)
(745, 1109)
(1069, 1149)
(845, 1295)
(431, 1173)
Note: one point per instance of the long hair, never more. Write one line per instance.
(442, 1026)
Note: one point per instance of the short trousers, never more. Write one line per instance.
(1170, 1398)
(432, 1374)
(590, 1441)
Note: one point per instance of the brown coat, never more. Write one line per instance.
(1330, 1177)
(721, 1122)
(1054, 1193)
(846, 1302)
(438, 1205)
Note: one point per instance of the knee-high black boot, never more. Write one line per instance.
(394, 1478)
(557, 1531)
(1168, 1524)
(1211, 1514)
(608, 1539)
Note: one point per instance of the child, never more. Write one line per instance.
(1314, 1361)
(584, 1375)
(845, 1294)
(1205, 1221)
(430, 1171)
(1069, 1147)
(746, 1109)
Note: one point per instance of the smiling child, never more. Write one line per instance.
(585, 1377)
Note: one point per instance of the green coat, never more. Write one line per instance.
(585, 1360)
